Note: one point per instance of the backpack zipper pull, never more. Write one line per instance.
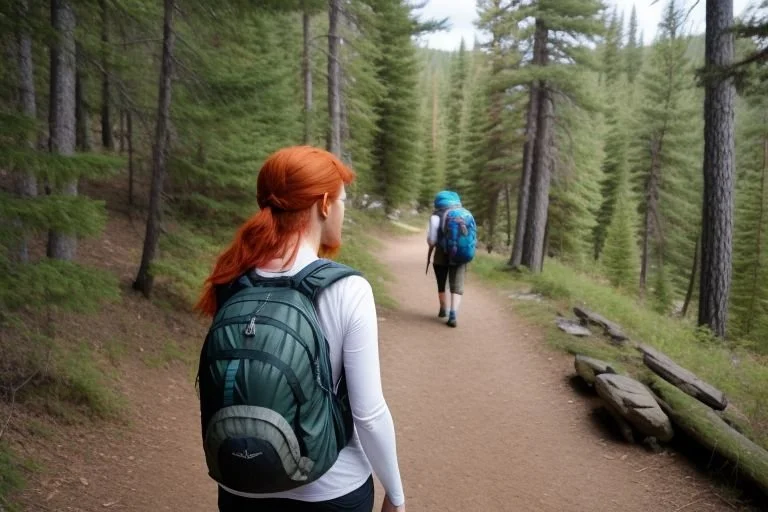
(251, 329)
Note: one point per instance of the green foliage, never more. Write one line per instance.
(575, 195)
(620, 257)
(67, 214)
(666, 153)
(455, 157)
(61, 284)
(633, 53)
(396, 142)
(749, 295)
(11, 476)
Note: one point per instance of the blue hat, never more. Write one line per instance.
(447, 199)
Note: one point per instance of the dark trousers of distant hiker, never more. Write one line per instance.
(359, 500)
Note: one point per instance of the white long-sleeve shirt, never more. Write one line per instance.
(347, 315)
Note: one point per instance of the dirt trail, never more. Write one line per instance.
(486, 421)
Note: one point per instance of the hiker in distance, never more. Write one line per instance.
(292, 411)
(452, 237)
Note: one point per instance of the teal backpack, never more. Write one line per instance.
(271, 420)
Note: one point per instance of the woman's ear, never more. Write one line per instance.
(324, 206)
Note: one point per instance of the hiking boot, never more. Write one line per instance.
(452, 320)
(442, 313)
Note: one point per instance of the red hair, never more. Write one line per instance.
(291, 181)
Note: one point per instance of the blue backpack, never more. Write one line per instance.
(458, 235)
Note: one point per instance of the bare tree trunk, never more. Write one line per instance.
(306, 65)
(651, 213)
(717, 218)
(82, 139)
(62, 115)
(523, 191)
(121, 135)
(692, 280)
(107, 140)
(529, 150)
(129, 137)
(334, 78)
(538, 204)
(25, 183)
(144, 278)
(508, 201)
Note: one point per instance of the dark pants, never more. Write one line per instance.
(454, 274)
(359, 500)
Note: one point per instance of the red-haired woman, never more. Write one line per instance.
(301, 194)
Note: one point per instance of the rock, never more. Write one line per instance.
(610, 329)
(526, 296)
(573, 328)
(635, 404)
(675, 374)
(589, 368)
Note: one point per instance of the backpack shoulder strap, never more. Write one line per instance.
(320, 275)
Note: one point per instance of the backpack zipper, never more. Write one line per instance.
(251, 329)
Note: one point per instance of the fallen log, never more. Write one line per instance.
(610, 329)
(687, 381)
(705, 426)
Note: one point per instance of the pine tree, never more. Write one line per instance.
(395, 146)
(429, 172)
(664, 167)
(620, 258)
(555, 52)
(634, 49)
(749, 296)
(455, 158)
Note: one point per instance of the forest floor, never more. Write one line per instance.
(486, 416)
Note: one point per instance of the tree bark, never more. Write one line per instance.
(144, 278)
(717, 218)
(107, 139)
(129, 140)
(523, 190)
(306, 65)
(25, 184)
(532, 131)
(62, 115)
(692, 280)
(538, 204)
(82, 139)
(508, 201)
(651, 213)
(334, 79)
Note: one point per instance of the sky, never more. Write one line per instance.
(461, 15)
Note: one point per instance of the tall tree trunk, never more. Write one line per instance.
(107, 140)
(508, 201)
(532, 131)
(62, 115)
(692, 280)
(144, 278)
(129, 140)
(524, 187)
(334, 78)
(25, 183)
(306, 65)
(121, 135)
(717, 218)
(651, 213)
(82, 139)
(538, 204)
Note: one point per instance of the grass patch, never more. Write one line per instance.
(13, 470)
(741, 374)
(169, 353)
(72, 386)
